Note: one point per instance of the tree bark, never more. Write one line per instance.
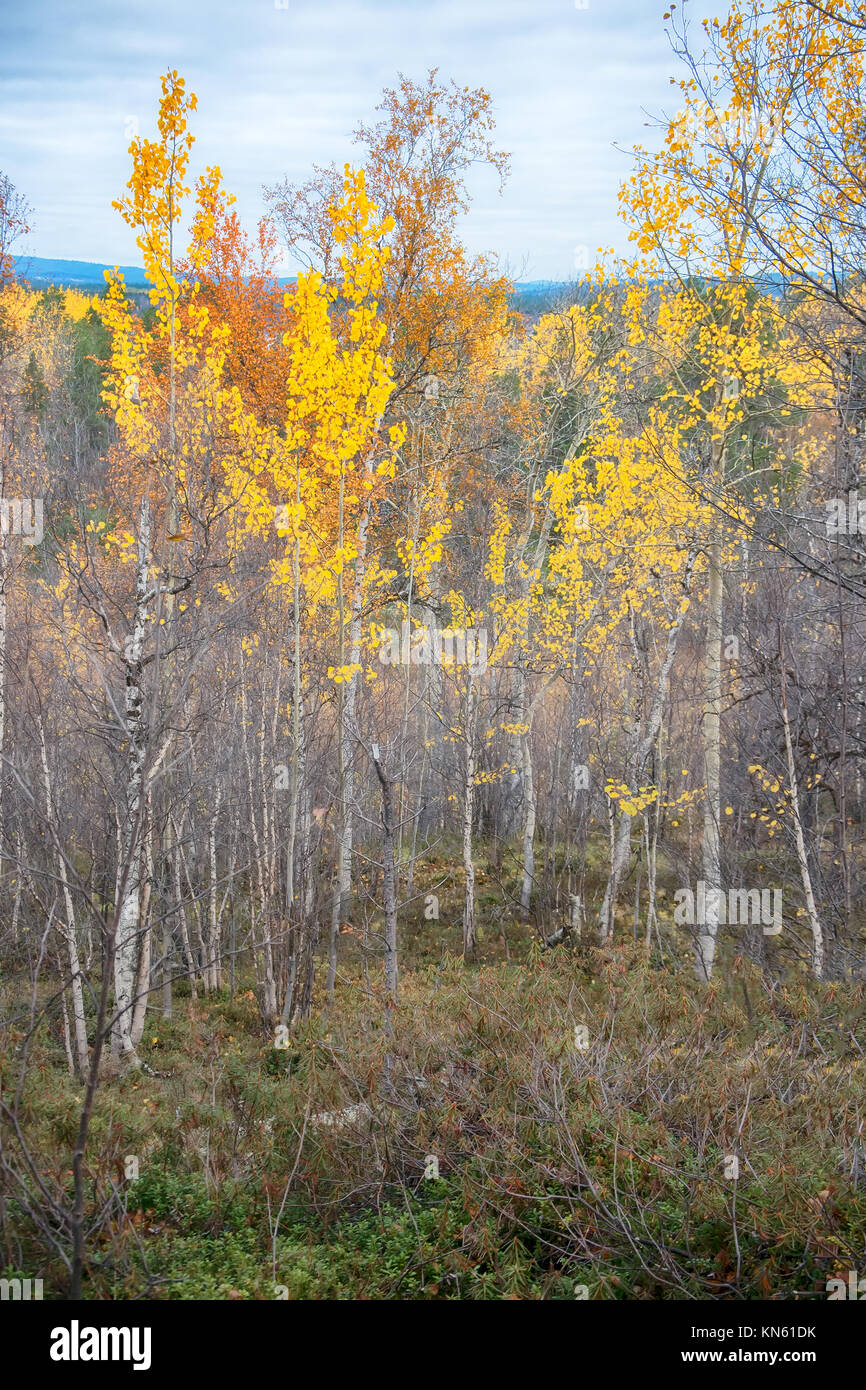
(469, 928)
(127, 943)
(389, 889)
(82, 1056)
(802, 857)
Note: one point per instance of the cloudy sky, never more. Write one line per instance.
(283, 83)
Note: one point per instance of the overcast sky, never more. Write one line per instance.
(283, 83)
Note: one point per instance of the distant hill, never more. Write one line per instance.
(530, 297)
(41, 271)
(80, 275)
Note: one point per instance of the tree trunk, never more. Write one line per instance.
(127, 943)
(212, 945)
(802, 857)
(142, 983)
(82, 1057)
(711, 729)
(469, 930)
(390, 893)
(268, 983)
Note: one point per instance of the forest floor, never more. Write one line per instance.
(542, 1124)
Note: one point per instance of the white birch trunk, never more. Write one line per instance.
(389, 889)
(82, 1058)
(212, 960)
(705, 944)
(126, 945)
(269, 986)
(802, 858)
(469, 929)
(142, 984)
